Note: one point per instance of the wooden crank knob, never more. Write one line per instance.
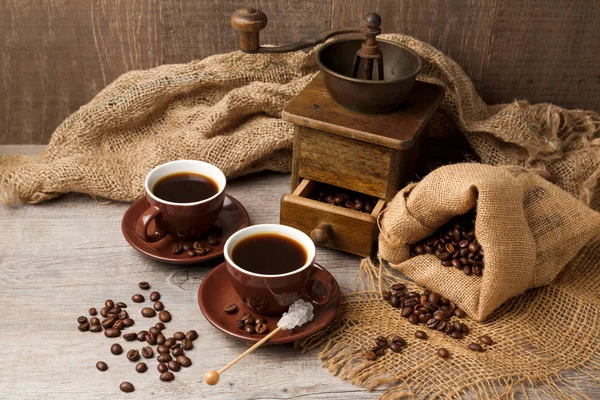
(321, 234)
(249, 22)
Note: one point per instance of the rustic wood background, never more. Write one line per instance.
(57, 54)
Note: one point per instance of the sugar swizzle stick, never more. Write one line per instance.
(298, 314)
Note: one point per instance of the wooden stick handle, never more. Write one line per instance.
(212, 377)
(250, 350)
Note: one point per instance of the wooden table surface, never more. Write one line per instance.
(59, 258)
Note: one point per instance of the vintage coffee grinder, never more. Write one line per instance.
(358, 126)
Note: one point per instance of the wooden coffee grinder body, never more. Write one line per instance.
(372, 154)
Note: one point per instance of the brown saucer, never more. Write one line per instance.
(215, 292)
(232, 218)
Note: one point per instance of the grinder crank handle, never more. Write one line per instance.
(250, 21)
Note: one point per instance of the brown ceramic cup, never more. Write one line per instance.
(183, 221)
(273, 294)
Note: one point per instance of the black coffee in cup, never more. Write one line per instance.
(269, 254)
(185, 187)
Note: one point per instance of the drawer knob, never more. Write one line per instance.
(321, 234)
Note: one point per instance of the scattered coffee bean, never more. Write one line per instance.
(413, 319)
(174, 365)
(123, 315)
(160, 339)
(457, 335)
(154, 296)
(475, 347)
(101, 366)
(141, 367)
(104, 312)
(444, 353)
(176, 346)
(179, 335)
(130, 336)
(187, 344)
(127, 322)
(141, 336)
(170, 342)
(192, 335)
(112, 333)
(240, 324)
(261, 329)
(177, 352)
(92, 311)
(162, 349)
(82, 319)
(485, 339)
(144, 285)
(160, 325)
(126, 387)
(154, 330)
(167, 376)
(164, 358)
(148, 312)
(395, 347)
(147, 352)
(231, 308)
(151, 338)
(137, 298)
(84, 327)
(164, 316)
(95, 328)
(184, 361)
(94, 321)
(421, 335)
(118, 324)
(109, 303)
(108, 322)
(133, 355)
(116, 349)
(158, 306)
(162, 368)
(177, 248)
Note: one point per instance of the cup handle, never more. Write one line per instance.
(318, 270)
(141, 228)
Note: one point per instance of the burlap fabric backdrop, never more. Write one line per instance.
(226, 110)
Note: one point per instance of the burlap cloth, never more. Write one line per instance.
(226, 110)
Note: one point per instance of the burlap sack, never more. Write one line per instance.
(529, 230)
(226, 109)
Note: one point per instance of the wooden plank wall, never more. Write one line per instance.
(57, 54)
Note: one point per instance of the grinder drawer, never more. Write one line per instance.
(330, 225)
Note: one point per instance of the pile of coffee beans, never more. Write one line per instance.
(382, 343)
(171, 350)
(247, 322)
(455, 245)
(428, 308)
(345, 198)
(200, 247)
